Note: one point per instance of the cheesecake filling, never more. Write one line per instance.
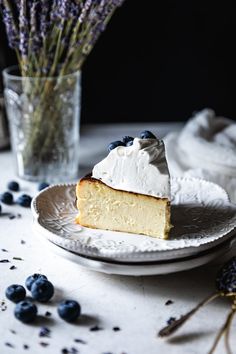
(139, 168)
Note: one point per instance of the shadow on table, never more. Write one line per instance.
(187, 286)
(188, 337)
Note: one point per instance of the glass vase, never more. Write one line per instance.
(44, 120)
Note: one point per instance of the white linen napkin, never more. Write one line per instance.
(205, 148)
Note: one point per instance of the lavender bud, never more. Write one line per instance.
(45, 18)
(24, 30)
(84, 11)
(11, 30)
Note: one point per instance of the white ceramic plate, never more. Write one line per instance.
(143, 269)
(201, 214)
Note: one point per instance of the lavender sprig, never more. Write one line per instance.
(52, 38)
(226, 287)
(11, 28)
(34, 40)
(65, 30)
(85, 8)
(24, 30)
(45, 18)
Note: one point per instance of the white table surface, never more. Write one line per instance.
(136, 305)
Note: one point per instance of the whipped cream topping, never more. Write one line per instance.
(139, 168)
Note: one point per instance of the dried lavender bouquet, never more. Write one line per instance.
(52, 39)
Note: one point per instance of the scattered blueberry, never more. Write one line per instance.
(15, 292)
(24, 200)
(6, 198)
(126, 139)
(69, 310)
(25, 311)
(42, 186)
(129, 143)
(32, 278)
(13, 186)
(226, 277)
(42, 290)
(25, 346)
(146, 134)
(115, 144)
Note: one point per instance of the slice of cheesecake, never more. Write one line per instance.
(129, 190)
(103, 207)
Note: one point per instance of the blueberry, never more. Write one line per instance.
(146, 134)
(15, 293)
(42, 290)
(114, 145)
(7, 198)
(24, 200)
(32, 278)
(69, 310)
(25, 311)
(226, 277)
(13, 186)
(126, 139)
(42, 186)
(129, 143)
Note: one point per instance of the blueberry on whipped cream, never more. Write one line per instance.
(126, 139)
(114, 145)
(146, 134)
(138, 167)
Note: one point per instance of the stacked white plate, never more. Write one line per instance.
(204, 222)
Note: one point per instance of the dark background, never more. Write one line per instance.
(159, 61)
